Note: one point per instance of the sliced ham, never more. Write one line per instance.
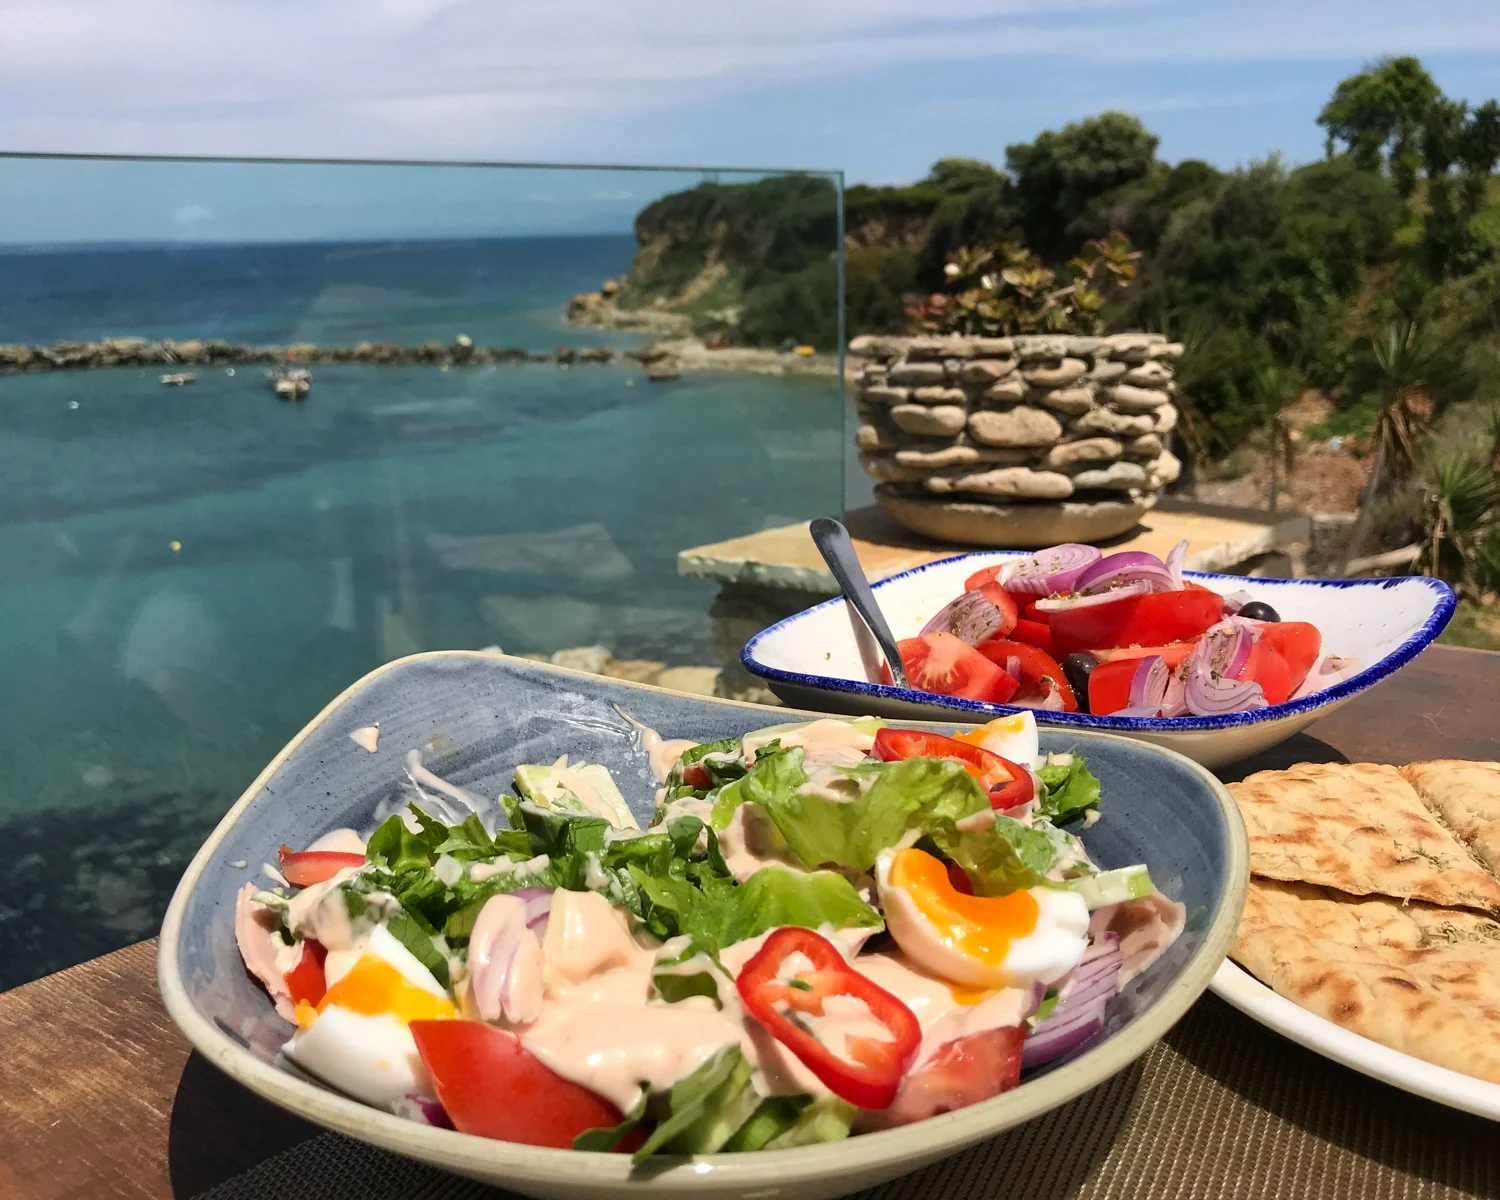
(255, 932)
(1146, 925)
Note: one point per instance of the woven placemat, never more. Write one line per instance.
(1221, 1110)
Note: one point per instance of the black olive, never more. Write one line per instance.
(1259, 610)
(1078, 667)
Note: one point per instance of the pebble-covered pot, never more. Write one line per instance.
(1023, 441)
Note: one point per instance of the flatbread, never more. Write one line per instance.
(1361, 829)
(1467, 796)
(1414, 978)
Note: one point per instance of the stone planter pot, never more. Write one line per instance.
(1021, 442)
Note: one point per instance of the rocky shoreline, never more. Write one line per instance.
(145, 352)
(678, 349)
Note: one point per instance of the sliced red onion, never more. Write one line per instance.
(1236, 601)
(1209, 695)
(1081, 1002)
(1328, 671)
(505, 960)
(1052, 571)
(1065, 603)
(1225, 649)
(1174, 563)
(1155, 690)
(1051, 702)
(972, 618)
(1148, 686)
(424, 1111)
(1013, 667)
(1123, 569)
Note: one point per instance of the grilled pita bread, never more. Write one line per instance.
(1361, 829)
(1419, 979)
(1467, 796)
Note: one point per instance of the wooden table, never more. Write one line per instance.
(100, 1096)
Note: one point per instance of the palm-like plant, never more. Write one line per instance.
(1275, 387)
(1461, 538)
(1417, 372)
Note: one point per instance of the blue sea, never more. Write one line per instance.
(187, 575)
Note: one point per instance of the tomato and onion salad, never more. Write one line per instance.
(1070, 629)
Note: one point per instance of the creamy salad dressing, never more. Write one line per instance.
(825, 742)
(422, 777)
(341, 841)
(750, 842)
(366, 738)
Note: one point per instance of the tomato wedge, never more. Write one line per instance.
(306, 981)
(962, 1072)
(303, 868)
(1109, 685)
(1039, 672)
(1154, 620)
(1298, 643)
(948, 666)
(990, 769)
(871, 1076)
(983, 576)
(1033, 633)
(1267, 667)
(1002, 600)
(492, 1086)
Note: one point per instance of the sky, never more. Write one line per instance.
(876, 88)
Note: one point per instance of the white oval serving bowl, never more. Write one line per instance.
(824, 658)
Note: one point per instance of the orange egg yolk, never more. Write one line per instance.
(373, 986)
(981, 927)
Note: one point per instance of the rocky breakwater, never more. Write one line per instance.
(144, 352)
(1024, 441)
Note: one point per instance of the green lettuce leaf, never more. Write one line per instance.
(695, 1097)
(1068, 789)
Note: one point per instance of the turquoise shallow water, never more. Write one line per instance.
(399, 509)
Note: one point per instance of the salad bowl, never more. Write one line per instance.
(474, 717)
(824, 657)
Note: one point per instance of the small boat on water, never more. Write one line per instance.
(290, 383)
(179, 378)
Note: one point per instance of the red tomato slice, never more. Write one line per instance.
(1154, 620)
(1297, 642)
(1039, 671)
(992, 771)
(983, 576)
(962, 1072)
(1109, 685)
(1001, 599)
(1030, 612)
(942, 663)
(1267, 667)
(1033, 633)
(1175, 655)
(492, 1086)
(306, 980)
(307, 867)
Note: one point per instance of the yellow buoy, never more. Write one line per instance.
(805, 351)
(175, 546)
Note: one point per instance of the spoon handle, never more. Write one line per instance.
(836, 547)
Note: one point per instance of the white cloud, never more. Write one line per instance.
(511, 78)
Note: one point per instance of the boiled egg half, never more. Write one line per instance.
(357, 1038)
(1014, 738)
(1034, 935)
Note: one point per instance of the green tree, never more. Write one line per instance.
(1056, 178)
(1378, 115)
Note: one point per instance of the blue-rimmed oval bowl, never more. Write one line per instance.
(476, 716)
(824, 658)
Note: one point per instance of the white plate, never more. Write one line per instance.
(1260, 1003)
(823, 658)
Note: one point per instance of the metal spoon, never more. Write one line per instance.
(836, 547)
